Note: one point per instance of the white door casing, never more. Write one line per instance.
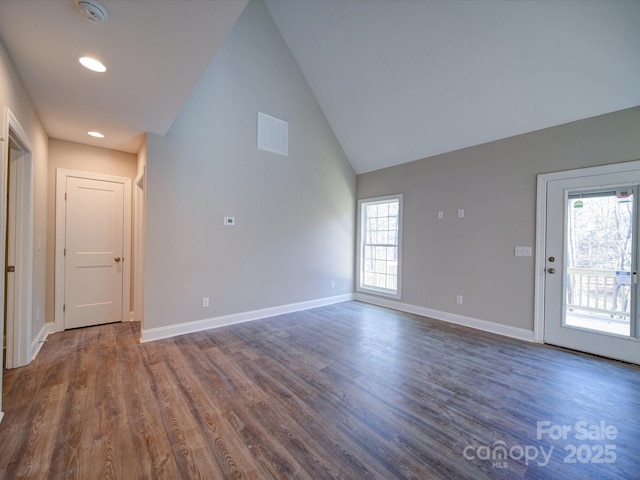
(93, 224)
(20, 323)
(23, 251)
(139, 226)
(553, 191)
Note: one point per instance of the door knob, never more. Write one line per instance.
(551, 270)
(117, 259)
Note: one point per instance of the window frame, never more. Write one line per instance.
(360, 286)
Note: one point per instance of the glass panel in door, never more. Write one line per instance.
(599, 258)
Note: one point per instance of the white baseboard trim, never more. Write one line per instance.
(1, 416)
(484, 325)
(36, 345)
(151, 334)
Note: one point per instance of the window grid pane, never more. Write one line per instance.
(380, 248)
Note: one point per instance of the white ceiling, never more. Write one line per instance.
(403, 80)
(398, 80)
(155, 52)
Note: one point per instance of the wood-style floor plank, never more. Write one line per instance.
(349, 391)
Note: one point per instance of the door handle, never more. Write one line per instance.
(117, 259)
(551, 270)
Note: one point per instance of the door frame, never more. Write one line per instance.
(19, 348)
(140, 230)
(541, 229)
(61, 181)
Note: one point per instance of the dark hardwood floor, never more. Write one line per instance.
(350, 391)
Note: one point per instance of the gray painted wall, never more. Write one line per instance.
(14, 96)
(495, 184)
(295, 215)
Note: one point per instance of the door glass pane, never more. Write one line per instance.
(599, 252)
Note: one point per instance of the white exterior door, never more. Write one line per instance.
(94, 254)
(590, 265)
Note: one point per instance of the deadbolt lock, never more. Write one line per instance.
(552, 259)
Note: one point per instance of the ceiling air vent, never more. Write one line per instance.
(91, 10)
(273, 134)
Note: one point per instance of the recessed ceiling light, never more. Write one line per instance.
(93, 64)
(96, 134)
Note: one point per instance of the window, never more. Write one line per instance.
(379, 246)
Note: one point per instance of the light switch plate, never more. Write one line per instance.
(229, 221)
(461, 213)
(523, 251)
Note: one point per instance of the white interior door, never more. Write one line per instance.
(10, 277)
(590, 298)
(94, 256)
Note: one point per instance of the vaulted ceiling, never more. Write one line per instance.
(403, 80)
(398, 80)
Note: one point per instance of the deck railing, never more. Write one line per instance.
(599, 291)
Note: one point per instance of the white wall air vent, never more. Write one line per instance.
(273, 134)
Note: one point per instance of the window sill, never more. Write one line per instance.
(380, 292)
